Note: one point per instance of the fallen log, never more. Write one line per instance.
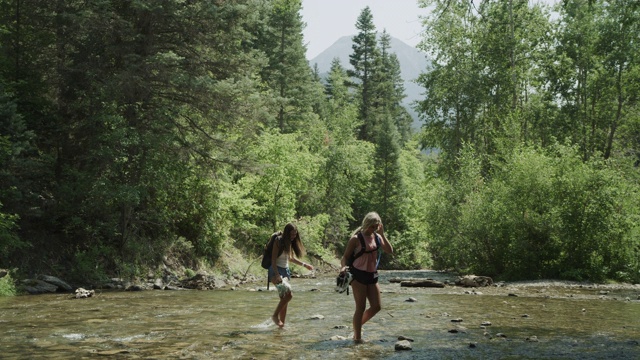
(422, 283)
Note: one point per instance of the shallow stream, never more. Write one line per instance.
(526, 323)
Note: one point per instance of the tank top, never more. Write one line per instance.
(283, 260)
(367, 261)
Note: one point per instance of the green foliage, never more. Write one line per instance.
(540, 215)
(14, 143)
(131, 131)
(362, 59)
(7, 286)
(287, 71)
(411, 245)
(189, 273)
(287, 168)
(95, 264)
(345, 172)
(9, 240)
(136, 123)
(313, 229)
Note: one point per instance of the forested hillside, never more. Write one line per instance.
(136, 131)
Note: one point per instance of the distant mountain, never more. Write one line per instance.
(412, 63)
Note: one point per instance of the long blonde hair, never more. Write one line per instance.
(369, 219)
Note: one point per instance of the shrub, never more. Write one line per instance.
(7, 286)
(536, 215)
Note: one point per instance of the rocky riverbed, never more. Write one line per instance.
(523, 320)
(450, 284)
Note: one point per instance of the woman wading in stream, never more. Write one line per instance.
(283, 253)
(362, 262)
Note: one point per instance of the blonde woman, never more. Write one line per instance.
(287, 248)
(362, 262)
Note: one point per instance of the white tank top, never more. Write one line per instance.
(283, 260)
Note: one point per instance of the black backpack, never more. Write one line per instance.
(268, 249)
(363, 250)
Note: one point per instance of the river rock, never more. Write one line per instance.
(403, 345)
(203, 282)
(158, 284)
(474, 281)
(337, 338)
(3, 273)
(55, 281)
(35, 287)
(317, 317)
(405, 338)
(83, 293)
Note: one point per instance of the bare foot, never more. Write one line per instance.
(358, 341)
(277, 321)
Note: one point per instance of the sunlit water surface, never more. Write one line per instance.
(225, 324)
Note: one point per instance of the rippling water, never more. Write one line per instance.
(235, 325)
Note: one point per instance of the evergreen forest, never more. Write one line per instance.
(136, 131)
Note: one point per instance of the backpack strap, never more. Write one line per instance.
(363, 247)
(378, 246)
(277, 236)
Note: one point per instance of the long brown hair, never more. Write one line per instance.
(296, 244)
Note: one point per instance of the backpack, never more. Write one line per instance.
(268, 249)
(363, 250)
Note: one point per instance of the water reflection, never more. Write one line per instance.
(236, 325)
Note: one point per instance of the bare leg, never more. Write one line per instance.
(362, 293)
(283, 311)
(373, 295)
(360, 297)
(280, 313)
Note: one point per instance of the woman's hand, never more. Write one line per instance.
(308, 266)
(277, 279)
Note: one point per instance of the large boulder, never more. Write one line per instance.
(35, 287)
(62, 286)
(203, 282)
(474, 281)
(44, 284)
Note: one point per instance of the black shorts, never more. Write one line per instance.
(364, 277)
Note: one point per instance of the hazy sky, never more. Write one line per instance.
(329, 20)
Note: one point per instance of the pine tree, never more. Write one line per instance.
(389, 88)
(287, 73)
(387, 190)
(363, 57)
